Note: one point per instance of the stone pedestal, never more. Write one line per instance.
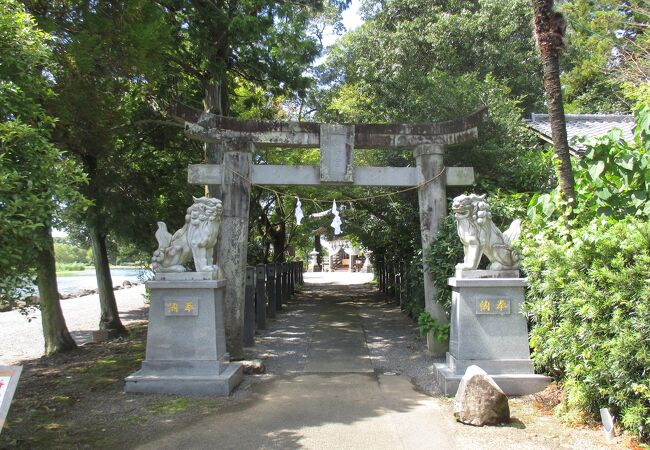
(488, 330)
(186, 342)
(313, 262)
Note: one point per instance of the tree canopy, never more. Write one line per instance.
(36, 179)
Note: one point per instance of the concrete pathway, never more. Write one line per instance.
(337, 402)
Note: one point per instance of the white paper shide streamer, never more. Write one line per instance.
(299, 214)
(336, 223)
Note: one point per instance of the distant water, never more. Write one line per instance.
(86, 279)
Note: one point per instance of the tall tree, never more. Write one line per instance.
(101, 49)
(549, 34)
(221, 44)
(607, 61)
(35, 178)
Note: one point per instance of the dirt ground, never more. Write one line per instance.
(76, 400)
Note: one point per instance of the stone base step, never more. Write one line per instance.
(510, 384)
(149, 382)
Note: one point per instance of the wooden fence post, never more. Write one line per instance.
(398, 282)
(291, 273)
(249, 308)
(406, 281)
(390, 272)
(260, 296)
(285, 283)
(270, 290)
(278, 286)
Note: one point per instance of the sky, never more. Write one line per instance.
(351, 20)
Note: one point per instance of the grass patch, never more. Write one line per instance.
(171, 406)
(135, 420)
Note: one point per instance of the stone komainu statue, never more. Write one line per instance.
(480, 236)
(195, 240)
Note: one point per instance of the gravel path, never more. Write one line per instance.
(392, 338)
(22, 336)
(284, 345)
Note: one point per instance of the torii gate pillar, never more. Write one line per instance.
(233, 237)
(432, 199)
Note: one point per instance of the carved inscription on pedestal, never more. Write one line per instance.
(184, 307)
(496, 305)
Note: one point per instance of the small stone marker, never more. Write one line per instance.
(479, 400)
(9, 376)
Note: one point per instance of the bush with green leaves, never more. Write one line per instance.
(611, 180)
(589, 282)
(413, 286)
(445, 252)
(427, 324)
(588, 303)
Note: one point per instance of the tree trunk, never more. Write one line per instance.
(55, 332)
(215, 101)
(110, 317)
(279, 238)
(549, 34)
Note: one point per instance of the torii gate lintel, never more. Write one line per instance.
(337, 143)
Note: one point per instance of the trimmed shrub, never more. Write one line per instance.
(589, 304)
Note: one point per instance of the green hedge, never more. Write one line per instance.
(589, 303)
(445, 252)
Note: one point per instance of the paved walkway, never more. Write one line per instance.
(337, 401)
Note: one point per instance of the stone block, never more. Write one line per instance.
(186, 276)
(469, 273)
(479, 400)
(336, 156)
(186, 343)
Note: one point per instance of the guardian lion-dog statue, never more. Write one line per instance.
(194, 241)
(480, 236)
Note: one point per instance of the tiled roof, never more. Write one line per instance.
(589, 125)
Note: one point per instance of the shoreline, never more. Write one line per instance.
(85, 292)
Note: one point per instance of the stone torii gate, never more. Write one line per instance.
(337, 143)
